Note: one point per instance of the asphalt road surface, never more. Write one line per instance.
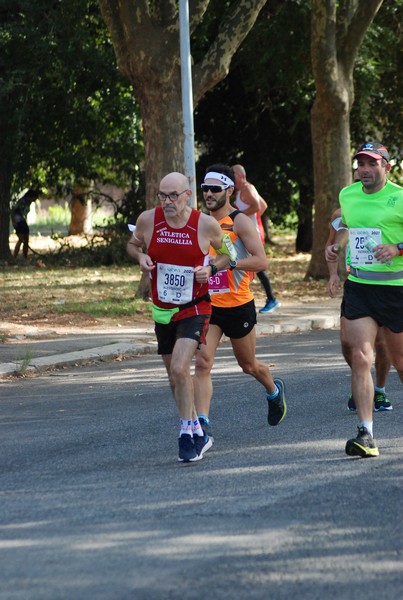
(94, 504)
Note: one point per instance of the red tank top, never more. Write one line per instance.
(175, 252)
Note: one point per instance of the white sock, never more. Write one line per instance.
(378, 389)
(368, 426)
(186, 427)
(196, 428)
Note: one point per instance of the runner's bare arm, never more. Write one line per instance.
(334, 280)
(211, 234)
(250, 196)
(332, 251)
(245, 229)
(262, 204)
(140, 239)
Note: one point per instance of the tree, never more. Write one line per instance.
(145, 36)
(267, 110)
(337, 31)
(377, 112)
(66, 114)
(266, 114)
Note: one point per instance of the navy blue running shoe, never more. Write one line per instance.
(202, 443)
(277, 406)
(187, 449)
(351, 404)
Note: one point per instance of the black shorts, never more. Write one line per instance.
(194, 328)
(22, 228)
(383, 303)
(235, 322)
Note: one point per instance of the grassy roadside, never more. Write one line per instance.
(35, 294)
(69, 296)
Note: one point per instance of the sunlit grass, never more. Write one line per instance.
(34, 290)
(58, 217)
(102, 291)
(109, 307)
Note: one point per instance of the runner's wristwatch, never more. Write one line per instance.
(232, 265)
(213, 270)
(400, 248)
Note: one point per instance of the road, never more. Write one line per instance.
(94, 504)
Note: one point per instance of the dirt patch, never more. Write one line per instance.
(66, 300)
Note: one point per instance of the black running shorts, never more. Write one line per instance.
(383, 303)
(194, 328)
(22, 228)
(235, 322)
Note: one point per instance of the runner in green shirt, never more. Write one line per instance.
(372, 211)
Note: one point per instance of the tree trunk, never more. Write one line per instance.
(161, 111)
(330, 131)
(5, 192)
(305, 226)
(81, 212)
(266, 229)
(337, 30)
(5, 189)
(146, 40)
(143, 291)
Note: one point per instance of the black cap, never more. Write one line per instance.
(374, 150)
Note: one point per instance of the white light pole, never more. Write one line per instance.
(187, 98)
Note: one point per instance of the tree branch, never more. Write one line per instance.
(132, 30)
(215, 64)
(197, 8)
(165, 11)
(110, 12)
(349, 45)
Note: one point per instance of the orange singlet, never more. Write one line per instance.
(230, 288)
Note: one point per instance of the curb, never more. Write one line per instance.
(108, 352)
(299, 324)
(128, 350)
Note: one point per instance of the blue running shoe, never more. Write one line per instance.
(202, 443)
(381, 402)
(205, 425)
(270, 306)
(277, 406)
(187, 449)
(351, 404)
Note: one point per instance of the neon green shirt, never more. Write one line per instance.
(378, 216)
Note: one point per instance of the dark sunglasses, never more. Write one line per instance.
(214, 189)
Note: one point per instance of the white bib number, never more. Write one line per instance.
(358, 240)
(174, 283)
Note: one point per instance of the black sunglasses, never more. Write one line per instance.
(215, 189)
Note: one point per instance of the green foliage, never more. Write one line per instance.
(259, 115)
(378, 110)
(66, 113)
(56, 217)
(106, 248)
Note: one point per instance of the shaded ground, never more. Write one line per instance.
(34, 294)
